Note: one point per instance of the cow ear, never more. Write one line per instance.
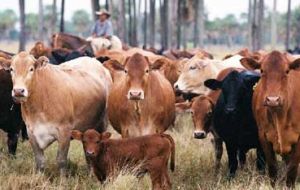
(41, 62)
(75, 134)
(295, 65)
(5, 63)
(250, 64)
(102, 59)
(106, 135)
(113, 65)
(147, 59)
(183, 107)
(213, 84)
(158, 64)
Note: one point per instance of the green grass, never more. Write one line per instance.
(194, 168)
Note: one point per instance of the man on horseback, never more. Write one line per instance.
(102, 33)
(103, 26)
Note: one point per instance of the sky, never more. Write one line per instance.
(215, 8)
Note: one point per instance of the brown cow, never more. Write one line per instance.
(149, 153)
(276, 107)
(56, 99)
(39, 49)
(141, 100)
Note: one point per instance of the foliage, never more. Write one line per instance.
(81, 21)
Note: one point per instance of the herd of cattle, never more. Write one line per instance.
(67, 91)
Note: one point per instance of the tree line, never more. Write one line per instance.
(162, 23)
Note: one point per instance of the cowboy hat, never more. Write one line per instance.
(103, 11)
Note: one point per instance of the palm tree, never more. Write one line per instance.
(145, 23)
(179, 19)
(22, 39)
(95, 7)
(53, 17)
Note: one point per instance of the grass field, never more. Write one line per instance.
(194, 168)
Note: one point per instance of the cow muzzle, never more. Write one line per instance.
(135, 95)
(230, 109)
(90, 153)
(19, 94)
(200, 134)
(272, 101)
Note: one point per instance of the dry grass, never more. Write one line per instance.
(194, 168)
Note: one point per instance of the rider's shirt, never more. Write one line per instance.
(102, 28)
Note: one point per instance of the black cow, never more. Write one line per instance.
(233, 119)
(59, 56)
(10, 113)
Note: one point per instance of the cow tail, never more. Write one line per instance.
(172, 163)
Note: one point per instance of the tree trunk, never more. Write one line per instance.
(152, 23)
(22, 38)
(196, 23)
(145, 24)
(134, 29)
(53, 17)
(41, 21)
(166, 25)
(130, 23)
(95, 7)
(250, 20)
(162, 27)
(106, 4)
(260, 25)
(202, 24)
(179, 19)
(62, 20)
(288, 26)
(123, 21)
(274, 25)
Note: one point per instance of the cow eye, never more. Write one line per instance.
(11, 70)
(97, 142)
(192, 67)
(147, 71)
(287, 71)
(261, 71)
(126, 71)
(31, 69)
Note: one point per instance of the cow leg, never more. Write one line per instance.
(24, 132)
(232, 159)
(270, 158)
(38, 153)
(12, 142)
(242, 157)
(218, 145)
(260, 160)
(62, 152)
(292, 167)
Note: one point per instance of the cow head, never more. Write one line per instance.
(192, 76)
(39, 50)
(91, 141)
(201, 109)
(22, 68)
(275, 69)
(235, 88)
(136, 71)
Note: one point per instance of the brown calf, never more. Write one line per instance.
(150, 152)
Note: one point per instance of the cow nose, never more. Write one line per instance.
(176, 86)
(90, 153)
(19, 92)
(199, 134)
(230, 109)
(136, 95)
(272, 101)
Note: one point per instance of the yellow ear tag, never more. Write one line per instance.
(254, 86)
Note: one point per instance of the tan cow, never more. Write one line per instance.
(197, 70)
(56, 99)
(141, 100)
